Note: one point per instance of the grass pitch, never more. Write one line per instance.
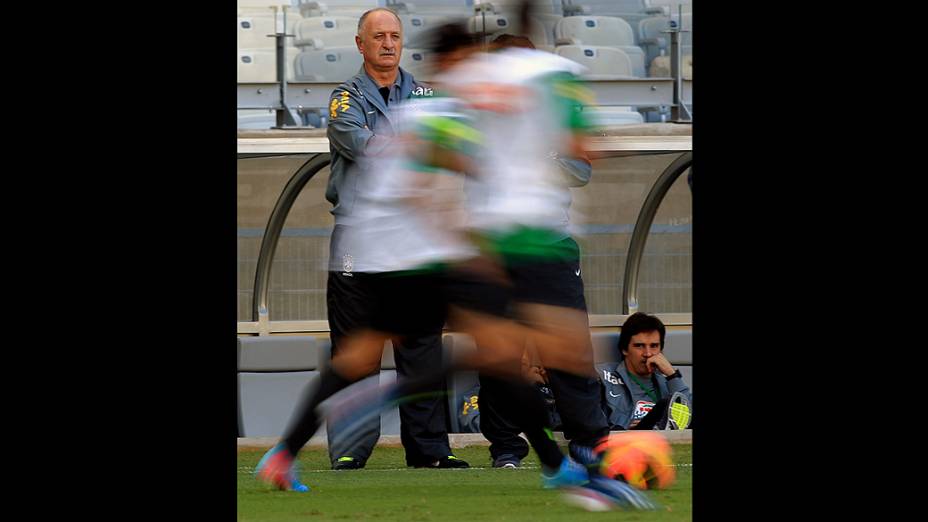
(388, 491)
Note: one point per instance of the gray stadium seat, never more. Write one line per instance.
(632, 11)
(416, 62)
(543, 30)
(668, 7)
(678, 346)
(605, 347)
(489, 23)
(332, 31)
(256, 22)
(602, 31)
(660, 67)
(310, 8)
(601, 116)
(253, 28)
(272, 374)
(416, 26)
(260, 65)
(389, 420)
(655, 42)
(336, 64)
(603, 63)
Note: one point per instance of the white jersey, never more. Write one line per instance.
(518, 183)
(405, 218)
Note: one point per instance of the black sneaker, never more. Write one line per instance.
(507, 461)
(347, 463)
(445, 462)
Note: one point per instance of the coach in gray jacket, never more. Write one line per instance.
(638, 387)
(359, 124)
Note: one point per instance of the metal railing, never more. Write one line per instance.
(260, 315)
(643, 228)
(272, 234)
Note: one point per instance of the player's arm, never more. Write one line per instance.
(576, 171)
(570, 96)
(347, 131)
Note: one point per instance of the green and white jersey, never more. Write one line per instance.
(526, 106)
(407, 212)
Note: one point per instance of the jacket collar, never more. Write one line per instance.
(369, 88)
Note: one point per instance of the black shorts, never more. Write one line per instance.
(404, 305)
(556, 283)
(407, 303)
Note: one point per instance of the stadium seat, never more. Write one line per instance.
(660, 67)
(389, 420)
(333, 31)
(678, 346)
(415, 61)
(254, 28)
(489, 23)
(260, 65)
(632, 11)
(601, 116)
(335, 64)
(605, 347)
(654, 39)
(262, 4)
(311, 8)
(272, 374)
(543, 30)
(416, 27)
(601, 31)
(669, 7)
(603, 63)
(256, 23)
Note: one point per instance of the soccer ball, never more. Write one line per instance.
(640, 458)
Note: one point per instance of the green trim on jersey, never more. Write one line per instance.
(527, 243)
(569, 96)
(449, 133)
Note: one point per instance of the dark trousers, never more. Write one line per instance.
(502, 432)
(577, 401)
(423, 424)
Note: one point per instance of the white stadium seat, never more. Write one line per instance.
(335, 64)
(489, 23)
(416, 26)
(334, 30)
(604, 63)
(260, 65)
(416, 62)
(254, 28)
(656, 42)
(602, 31)
(660, 67)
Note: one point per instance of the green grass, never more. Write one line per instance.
(382, 492)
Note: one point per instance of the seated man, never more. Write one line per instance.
(507, 448)
(639, 387)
